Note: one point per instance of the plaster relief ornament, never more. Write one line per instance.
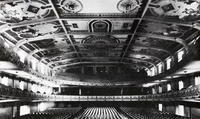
(181, 9)
(36, 30)
(71, 6)
(14, 12)
(129, 6)
(100, 42)
(164, 29)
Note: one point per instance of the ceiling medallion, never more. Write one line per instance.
(14, 12)
(129, 6)
(100, 42)
(71, 6)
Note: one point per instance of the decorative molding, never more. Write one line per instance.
(100, 42)
(71, 6)
(129, 6)
(18, 11)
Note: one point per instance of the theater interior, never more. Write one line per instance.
(99, 59)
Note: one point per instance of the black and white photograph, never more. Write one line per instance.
(99, 59)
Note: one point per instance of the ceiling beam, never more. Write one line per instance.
(85, 32)
(134, 31)
(64, 27)
(89, 16)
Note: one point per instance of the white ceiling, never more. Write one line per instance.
(99, 6)
(191, 67)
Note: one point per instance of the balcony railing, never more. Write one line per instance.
(188, 93)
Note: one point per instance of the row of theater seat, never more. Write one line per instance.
(71, 111)
(14, 92)
(149, 114)
(8, 91)
(53, 113)
(190, 92)
(101, 113)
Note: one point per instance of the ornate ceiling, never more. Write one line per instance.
(64, 33)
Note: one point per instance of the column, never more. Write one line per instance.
(122, 90)
(11, 115)
(190, 113)
(59, 89)
(18, 111)
(27, 85)
(13, 84)
(80, 91)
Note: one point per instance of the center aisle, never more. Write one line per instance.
(101, 113)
